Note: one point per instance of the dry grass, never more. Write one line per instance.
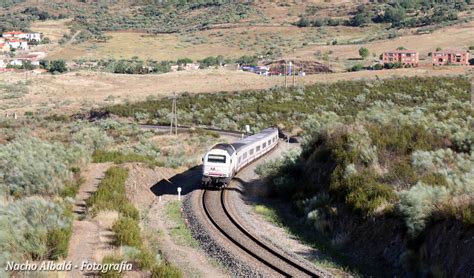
(53, 29)
(457, 37)
(77, 91)
(228, 42)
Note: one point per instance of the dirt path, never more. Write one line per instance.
(89, 237)
(192, 261)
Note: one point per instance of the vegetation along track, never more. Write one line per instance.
(214, 204)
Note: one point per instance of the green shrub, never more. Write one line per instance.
(34, 228)
(118, 157)
(146, 259)
(366, 195)
(110, 194)
(467, 215)
(58, 242)
(71, 188)
(127, 232)
(363, 52)
(166, 270)
(357, 67)
(129, 210)
(111, 273)
(44, 165)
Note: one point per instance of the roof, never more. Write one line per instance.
(225, 147)
(252, 139)
(401, 51)
(14, 32)
(451, 51)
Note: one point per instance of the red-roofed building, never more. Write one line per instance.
(12, 34)
(450, 57)
(33, 36)
(4, 47)
(404, 57)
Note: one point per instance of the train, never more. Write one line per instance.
(223, 161)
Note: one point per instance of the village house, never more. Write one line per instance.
(404, 57)
(450, 57)
(34, 58)
(33, 36)
(17, 44)
(4, 47)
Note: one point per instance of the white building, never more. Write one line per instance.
(33, 36)
(17, 44)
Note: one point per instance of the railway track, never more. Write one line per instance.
(217, 212)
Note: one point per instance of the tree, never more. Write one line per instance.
(57, 66)
(363, 52)
(357, 67)
(184, 61)
(358, 20)
(401, 48)
(394, 15)
(247, 60)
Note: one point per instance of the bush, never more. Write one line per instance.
(118, 157)
(357, 67)
(303, 22)
(129, 210)
(110, 194)
(127, 232)
(58, 242)
(33, 166)
(166, 270)
(34, 228)
(366, 196)
(57, 66)
(111, 273)
(363, 52)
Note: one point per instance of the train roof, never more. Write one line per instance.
(225, 147)
(253, 138)
(233, 147)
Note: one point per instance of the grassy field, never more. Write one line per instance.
(76, 91)
(53, 29)
(232, 42)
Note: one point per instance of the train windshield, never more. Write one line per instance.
(216, 158)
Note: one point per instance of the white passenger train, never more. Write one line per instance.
(223, 161)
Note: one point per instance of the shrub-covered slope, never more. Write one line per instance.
(389, 175)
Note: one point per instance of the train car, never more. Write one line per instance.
(223, 161)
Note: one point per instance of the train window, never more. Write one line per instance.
(240, 159)
(269, 142)
(245, 155)
(264, 145)
(258, 148)
(251, 151)
(216, 158)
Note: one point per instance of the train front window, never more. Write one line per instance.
(216, 158)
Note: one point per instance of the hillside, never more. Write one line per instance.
(267, 29)
(384, 178)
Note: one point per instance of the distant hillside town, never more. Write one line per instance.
(15, 53)
(15, 50)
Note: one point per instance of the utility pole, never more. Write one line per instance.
(293, 72)
(286, 73)
(472, 89)
(174, 116)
